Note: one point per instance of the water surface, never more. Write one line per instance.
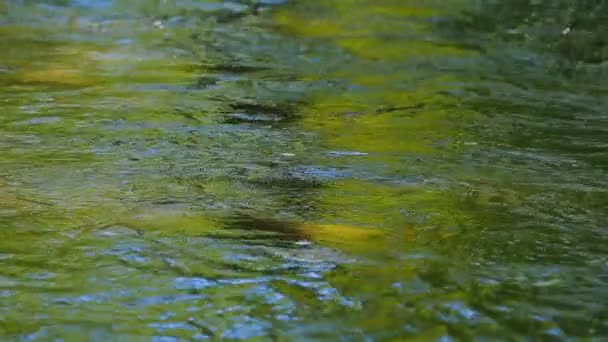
(340, 170)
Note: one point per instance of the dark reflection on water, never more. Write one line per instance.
(328, 170)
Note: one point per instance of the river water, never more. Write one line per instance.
(303, 170)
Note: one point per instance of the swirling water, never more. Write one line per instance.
(353, 169)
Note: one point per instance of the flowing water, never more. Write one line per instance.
(292, 170)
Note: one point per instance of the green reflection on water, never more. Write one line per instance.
(251, 170)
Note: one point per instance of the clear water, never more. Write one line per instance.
(292, 170)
